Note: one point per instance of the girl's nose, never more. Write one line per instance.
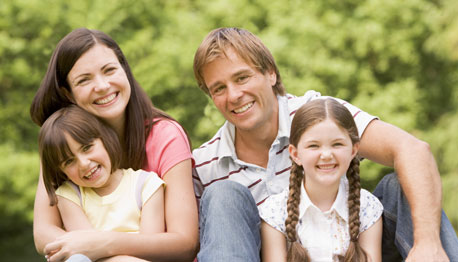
(326, 154)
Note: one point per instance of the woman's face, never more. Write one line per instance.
(99, 85)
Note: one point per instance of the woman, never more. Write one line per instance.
(88, 68)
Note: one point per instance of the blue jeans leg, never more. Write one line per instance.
(229, 224)
(397, 223)
(78, 258)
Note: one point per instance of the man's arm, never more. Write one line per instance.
(419, 178)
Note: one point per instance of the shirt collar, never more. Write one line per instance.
(227, 143)
(340, 204)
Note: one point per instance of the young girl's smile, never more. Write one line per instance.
(89, 166)
(325, 151)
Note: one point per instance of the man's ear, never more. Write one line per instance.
(68, 94)
(293, 154)
(272, 77)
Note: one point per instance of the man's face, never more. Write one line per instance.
(241, 92)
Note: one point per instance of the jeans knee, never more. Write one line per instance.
(226, 192)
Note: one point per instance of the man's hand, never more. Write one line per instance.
(428, 251)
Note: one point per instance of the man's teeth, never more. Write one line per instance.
(243, 108)
(106, 99)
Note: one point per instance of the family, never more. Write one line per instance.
(279, 181)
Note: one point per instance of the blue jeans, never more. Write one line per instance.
(229, 224)
(78, 258)
(397, 223)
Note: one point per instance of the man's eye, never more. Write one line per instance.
(218, 90)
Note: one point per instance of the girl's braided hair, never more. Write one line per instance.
(308, 115)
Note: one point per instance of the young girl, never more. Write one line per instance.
(323, 216)
(80, 158)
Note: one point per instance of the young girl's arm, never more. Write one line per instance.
(371, 241)
(273, 244)
(152, 218)
(72, 215)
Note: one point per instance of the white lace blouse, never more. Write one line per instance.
(324, 234)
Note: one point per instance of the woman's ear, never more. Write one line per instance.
(68, 94)
(293, 154)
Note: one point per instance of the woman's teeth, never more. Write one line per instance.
(105, 100)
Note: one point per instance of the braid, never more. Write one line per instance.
(354, 252)
(296, 252)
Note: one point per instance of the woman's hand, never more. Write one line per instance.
(87, 242)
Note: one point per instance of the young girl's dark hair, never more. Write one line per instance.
(54, 92)
(308, 115)
(84, 128)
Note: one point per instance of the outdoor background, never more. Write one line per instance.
(395, 59)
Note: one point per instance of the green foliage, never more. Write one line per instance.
(395, 59)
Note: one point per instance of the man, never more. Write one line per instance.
(238, 72)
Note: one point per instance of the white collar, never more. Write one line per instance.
(340, 205)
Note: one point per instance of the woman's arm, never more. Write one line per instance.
(47, 225)
(152, 219)
(273, 244)
(371, 241)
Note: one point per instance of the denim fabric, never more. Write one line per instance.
(229, 224)
(78, 258)
(397, 223)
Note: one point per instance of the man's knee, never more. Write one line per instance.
(226, 192)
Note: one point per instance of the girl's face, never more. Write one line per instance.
(89, 165)
(99, 84)
(324, 151)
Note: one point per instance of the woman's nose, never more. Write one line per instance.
(101, 83)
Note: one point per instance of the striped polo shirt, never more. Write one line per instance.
(216, 159)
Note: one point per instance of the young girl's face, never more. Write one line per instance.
(89, 165)
(324, 151)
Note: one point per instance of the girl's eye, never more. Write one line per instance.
(312, 146)
(87, 147)
(338, 144)
(67, 162)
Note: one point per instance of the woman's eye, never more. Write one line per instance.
(82, 81)
(110, 70)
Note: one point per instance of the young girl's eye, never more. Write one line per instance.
(87, 147)
(67, 162)
(242, 78)
(312, 146)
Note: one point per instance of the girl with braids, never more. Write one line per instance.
(325, 215)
